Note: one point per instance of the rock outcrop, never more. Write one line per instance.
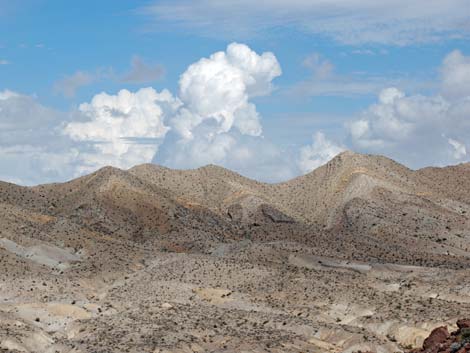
(441, 341)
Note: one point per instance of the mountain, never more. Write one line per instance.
(362, 254)
(408, 212)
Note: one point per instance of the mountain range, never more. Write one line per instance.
(362, 254)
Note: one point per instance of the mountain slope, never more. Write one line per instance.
(359, 195)
(362, 254)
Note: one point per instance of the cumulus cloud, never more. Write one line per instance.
(123, 129)
(456, 75)
(396, 22)
(31, 148)
(416, 130)
(141, 72)
(219, 88)
(21, 113)
(420, 130)
(207, 119)
(33, 164)
(213, 119)
(251, 156)
(217, 123)
(318, 153)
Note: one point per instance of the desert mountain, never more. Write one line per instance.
(364, 195)
(362, 254)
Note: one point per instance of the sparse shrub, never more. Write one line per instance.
(465, 334)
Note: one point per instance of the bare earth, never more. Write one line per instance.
(362, 254)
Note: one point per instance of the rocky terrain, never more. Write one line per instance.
(361, 255)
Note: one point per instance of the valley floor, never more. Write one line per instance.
(241, 296)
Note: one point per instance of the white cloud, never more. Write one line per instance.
(219, 88)
(33, 164)
(4, 62)
(390, 95)
(251, 156)
(21, 112)
(460, 151)
(217, 123)
(31, 148)
(397, 22)
(211, 114)
(6, 94)
(212, 121)
(413, 129)
(456, 75)
(320, 152)
(142, 72)
(121, 130)
(420, 130)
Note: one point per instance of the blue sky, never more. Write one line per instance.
(337, 58)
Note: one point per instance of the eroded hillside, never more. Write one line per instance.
(362, 254)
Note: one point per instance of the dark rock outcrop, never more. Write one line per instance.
(275, 215)
(440, 341)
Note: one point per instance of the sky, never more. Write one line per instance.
(271, 89)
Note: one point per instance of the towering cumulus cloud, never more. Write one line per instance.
(219, 88)
(211, 121)
(217, 122)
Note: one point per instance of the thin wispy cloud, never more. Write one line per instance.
(395, 22)
(325, 80)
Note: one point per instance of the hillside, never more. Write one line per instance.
(356, 194)
(362, 254)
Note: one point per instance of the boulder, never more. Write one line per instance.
(275, 215)
(463, 323)
(235, 212)
(438, 335)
